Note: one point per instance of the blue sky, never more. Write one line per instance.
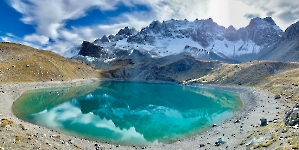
(59, 25)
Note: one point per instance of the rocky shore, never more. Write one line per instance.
(242, 131)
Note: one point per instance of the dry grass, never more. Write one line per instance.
(274, 77)
(20, 63)
(282, 84)
(6, 122)
(250, 73)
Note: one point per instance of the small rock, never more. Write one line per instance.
(237, 121)
(277, 96)
(70, 141)
(220, 141)
(292, 117)
(263, 122)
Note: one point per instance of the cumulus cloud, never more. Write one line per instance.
(40, 39)
(50, 17)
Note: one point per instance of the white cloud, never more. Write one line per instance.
(10, 35)
(6, 39)
(230, 12)
(15, 39)
(50, 17)
(41, 39)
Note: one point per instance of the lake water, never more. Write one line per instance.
(128, 112)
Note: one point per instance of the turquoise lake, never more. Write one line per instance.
(128, 112)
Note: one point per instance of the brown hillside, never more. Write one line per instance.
(250, 73)
(20, 63)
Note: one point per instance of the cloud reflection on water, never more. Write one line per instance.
(118, 113)
(55, 118)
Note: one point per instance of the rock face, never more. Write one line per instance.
(292, 116)
(263, 32)
(165, 49)
(166, 38)
(291, 32)
(89, 49)
(261, 39)
(160, 69)
(286, 49)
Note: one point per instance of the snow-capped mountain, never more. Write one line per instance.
(287, 49)
(198, 38)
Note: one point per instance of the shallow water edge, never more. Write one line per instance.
(247, 95)
(57, 96)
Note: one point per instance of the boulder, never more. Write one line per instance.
(263, 122)
(292, 117)
(277, 96)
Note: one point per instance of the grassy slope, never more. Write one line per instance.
(250, 73)
(20, 63)
(275, 77)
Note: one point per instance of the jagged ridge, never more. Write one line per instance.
(198, 38)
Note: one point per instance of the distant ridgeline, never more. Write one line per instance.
(176, 46)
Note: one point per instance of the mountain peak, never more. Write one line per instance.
(127, 31)
(256, 21)
(270, 20)
(231, 28)
(261, 21)
(292, 31)
(198, 37)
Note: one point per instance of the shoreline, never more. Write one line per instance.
(252, 99)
